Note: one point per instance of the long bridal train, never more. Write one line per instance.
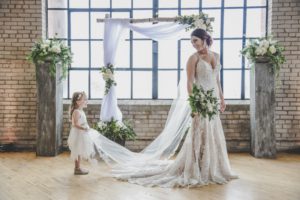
(202, 159)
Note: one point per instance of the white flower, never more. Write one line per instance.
(209, 106)
(264, 43)
(107, 76)
(272, 49)
(208, 21)
(258, 51)
(55, 49)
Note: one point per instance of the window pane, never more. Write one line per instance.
(216, 14)
(79, 25)
(97, 54)
(211, 3)
(97, 84)
(142, 85)
(123, 54)
(168, 3)
(57, 24)
(167, 54)
(190, 4)
(97, 29)
(81, 54)
(257, 3)
(247, 83)
(57, 3)
(142, 14)
(79, 3)
(167, 84)
(78, 82)
(216, 46)
(232, 58)
(121, 3)
(100, 3)
(123, 79)
(256, 25)
(232, 84)
(142, 54)
(142, 3)
(233, 23)
(167, 13)
(234, 3)
(186, 51)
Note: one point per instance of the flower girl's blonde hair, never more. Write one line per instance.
(77, 96)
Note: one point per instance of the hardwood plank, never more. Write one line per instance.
(25, 176)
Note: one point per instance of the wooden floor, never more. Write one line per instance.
(27, 177)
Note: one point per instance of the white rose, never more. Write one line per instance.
(209, 106)
(202, 26)
(55, 49)
(258, 51)
(272, 49)
(264, 43)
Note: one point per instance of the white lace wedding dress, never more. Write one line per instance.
(203, 157)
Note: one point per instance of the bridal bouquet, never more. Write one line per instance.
(203, 102)
(53, 51)
(108, 76)
(265, 49)
(196, 21)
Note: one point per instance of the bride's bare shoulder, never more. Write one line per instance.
(193, 58)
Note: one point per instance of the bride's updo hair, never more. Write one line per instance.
(203, 35)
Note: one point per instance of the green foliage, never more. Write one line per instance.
(115, 130)
(203, 102)
(53, 51)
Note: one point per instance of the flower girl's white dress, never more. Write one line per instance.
(80, 141)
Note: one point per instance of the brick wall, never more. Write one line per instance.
(148, 119)
(20, 26)
(284, 24)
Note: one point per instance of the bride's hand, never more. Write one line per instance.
(222, 106)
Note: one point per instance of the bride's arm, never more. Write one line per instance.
(190, 69)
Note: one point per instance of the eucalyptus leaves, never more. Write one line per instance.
(265, 49)
(53, 51)
(203, 102)
(201, 21)
(108, 76)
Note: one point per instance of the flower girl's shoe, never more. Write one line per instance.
(79, 171)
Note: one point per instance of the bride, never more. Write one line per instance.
(202, 158)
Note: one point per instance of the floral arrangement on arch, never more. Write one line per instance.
(54, 51)
(201, 21)
(266, 49)
(108, 76)
(203, 102)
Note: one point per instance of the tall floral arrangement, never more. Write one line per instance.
(267, 49)
(53, 51)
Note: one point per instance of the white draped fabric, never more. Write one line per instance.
(178, 119)
(112, 34)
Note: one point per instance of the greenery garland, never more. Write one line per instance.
(108, 76)
(201, 21)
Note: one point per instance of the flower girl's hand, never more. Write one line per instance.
(223, 106)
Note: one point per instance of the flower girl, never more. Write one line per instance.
(79, 141)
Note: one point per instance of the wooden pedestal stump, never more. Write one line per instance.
(262, 111)
(49, 111)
